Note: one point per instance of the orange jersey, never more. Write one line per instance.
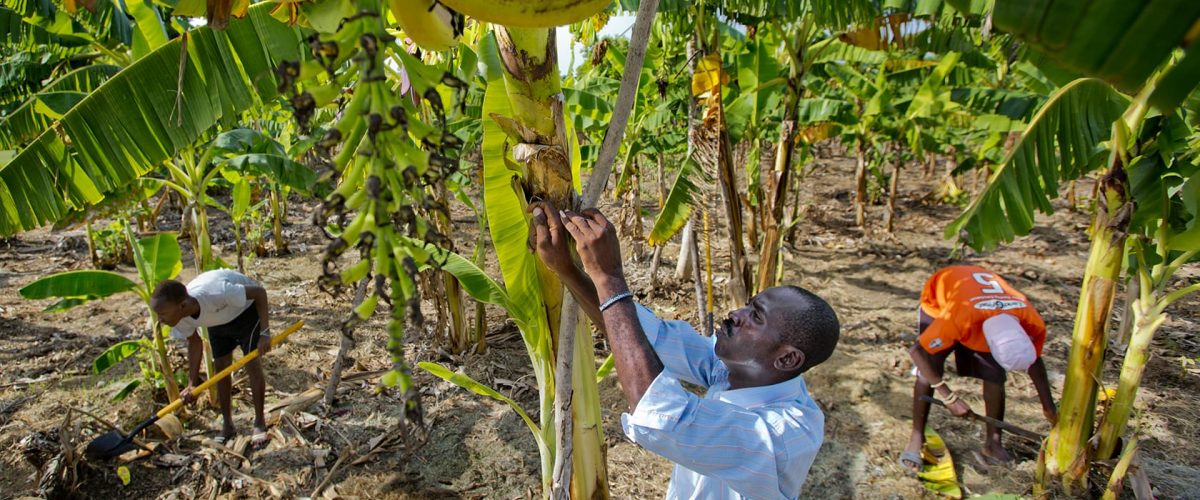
(961, 298)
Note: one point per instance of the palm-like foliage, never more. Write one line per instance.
(144, 115)
(1061, 143)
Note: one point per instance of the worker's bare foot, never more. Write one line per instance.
(911, 456)
(995, 454)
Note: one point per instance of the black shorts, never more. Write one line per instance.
(241, 332)
(970, 363)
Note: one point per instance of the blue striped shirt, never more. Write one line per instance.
(755, 442)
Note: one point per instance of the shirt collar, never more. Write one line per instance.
(750, 397)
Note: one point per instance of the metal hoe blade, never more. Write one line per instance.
(112, 443)
(109, 445)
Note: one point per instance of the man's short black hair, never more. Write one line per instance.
(811, 326)
(169, 291)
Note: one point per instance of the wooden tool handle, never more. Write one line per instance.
(1028, 434)
(276, 340)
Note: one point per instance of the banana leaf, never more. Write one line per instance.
(678, 206)
(159, 257)
(1061, 143)
(468, 383)
(26, 121)
(131, 122)
(115, 354)
(77, 287)
(509, 227)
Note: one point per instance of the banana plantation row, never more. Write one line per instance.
(392, 115)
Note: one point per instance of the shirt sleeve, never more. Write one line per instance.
(711, 437)
(683, 351)
(940, 335)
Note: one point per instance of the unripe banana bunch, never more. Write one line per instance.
(385, 150)
(529, 13)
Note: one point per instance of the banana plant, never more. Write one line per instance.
(157, 259)
(1165, 236)
(1133, 48)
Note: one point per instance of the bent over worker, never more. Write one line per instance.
(756, 431)
(234, 308)
(991, 329)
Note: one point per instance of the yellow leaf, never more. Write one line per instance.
(815, 133)
(709, 77)
(123, 473)
(938, 471)
(240, 8)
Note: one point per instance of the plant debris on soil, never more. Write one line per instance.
(51, 404)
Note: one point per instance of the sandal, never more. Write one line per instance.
(911, 457)
(260, 439)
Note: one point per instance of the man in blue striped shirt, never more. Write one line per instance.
(756, 431)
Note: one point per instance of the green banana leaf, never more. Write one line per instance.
(929, 102)
(605, 368)
(504, 205)
(149, 33)
(475, 282)
(239, 202)
(509, 227)
(1120, 42)
(678, 206)
(130, 123)
(26, 122)
(591, 113)
(115, 354)
(283, 170)
(468, 383)
(159, 256)
(1188, 238)
(77, 287)
(126, 390)
(1061, 143)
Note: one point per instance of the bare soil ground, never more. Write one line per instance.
(478, 448)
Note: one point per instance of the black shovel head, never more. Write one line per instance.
(108, 445)
(112, 443)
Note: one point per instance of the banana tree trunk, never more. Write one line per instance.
(740, 282)
(776, 200)
(779, 180)
(860, 182)
(1067, 447)
(200, 242)
(278, 209)
(91, 242)
(532, 84)
(1149, 313)
(164, 363)
(891, 206)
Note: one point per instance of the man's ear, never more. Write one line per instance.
(789, 359)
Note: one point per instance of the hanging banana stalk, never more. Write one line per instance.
(387, 159)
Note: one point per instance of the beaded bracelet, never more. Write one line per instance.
(614, 299)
